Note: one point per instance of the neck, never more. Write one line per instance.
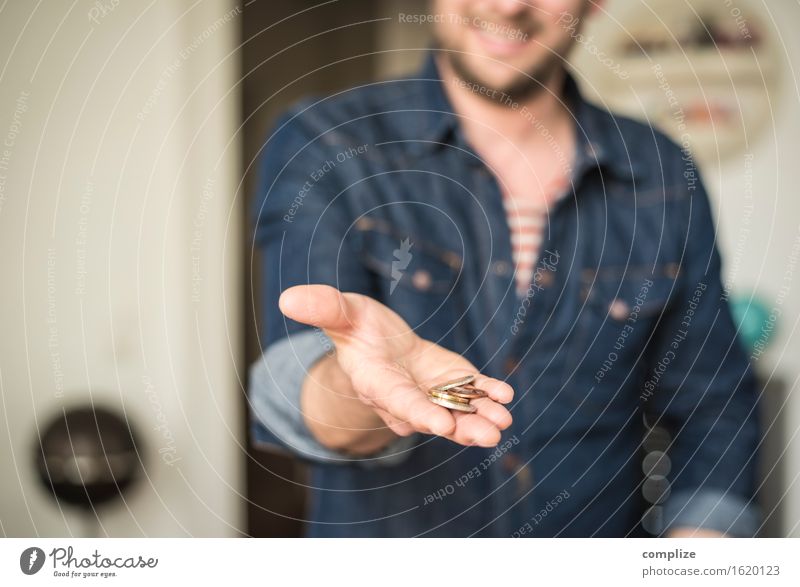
(499, 116)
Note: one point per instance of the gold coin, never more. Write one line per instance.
(467, 379)
(448, 397)
(467, 392)
(453, 405)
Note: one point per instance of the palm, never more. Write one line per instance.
(390, 366)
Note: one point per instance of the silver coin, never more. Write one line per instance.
(454, 383)
(453, 405)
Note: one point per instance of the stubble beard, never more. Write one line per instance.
(525, 86)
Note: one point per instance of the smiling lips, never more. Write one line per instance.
(500, 39)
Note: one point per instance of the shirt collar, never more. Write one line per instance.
(599, 140)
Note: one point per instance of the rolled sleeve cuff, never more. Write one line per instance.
(712, 510)
(275, 384)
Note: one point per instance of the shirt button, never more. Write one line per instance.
(672, 270)
(619, 309)
(422, 279)
(513, 465)
(453, 259)
(511, 462)
(364, 223)
(510, 365)
(501, 268)
(524, 479)
(544, 278)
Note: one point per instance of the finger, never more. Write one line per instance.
(396, 426)
(319, 305)
(457, 366)
(499, 391)
(397, 394)
(494, 412)
(410, 405)
(474, 430)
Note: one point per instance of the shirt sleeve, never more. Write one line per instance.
(712, 510)
(302, 226)
(707, 397)
(276, 381)
(301, 235)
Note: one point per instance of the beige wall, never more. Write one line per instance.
(106, 219)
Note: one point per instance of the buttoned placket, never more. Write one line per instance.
(517, 467)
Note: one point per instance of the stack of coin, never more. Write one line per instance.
(456, 394)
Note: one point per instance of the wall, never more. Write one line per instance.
(120, 225)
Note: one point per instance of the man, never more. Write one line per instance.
(481, 217)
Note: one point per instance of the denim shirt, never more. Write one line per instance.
(625, 325)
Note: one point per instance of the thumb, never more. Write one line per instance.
(318, 305)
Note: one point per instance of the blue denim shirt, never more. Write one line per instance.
(376, 190)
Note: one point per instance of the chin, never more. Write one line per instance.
(494, 64)
(499, 76)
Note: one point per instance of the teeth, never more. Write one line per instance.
(500, 38)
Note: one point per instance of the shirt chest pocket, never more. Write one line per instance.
(414, 276)
(621, 313)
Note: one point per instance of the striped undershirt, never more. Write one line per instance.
(527, 219)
